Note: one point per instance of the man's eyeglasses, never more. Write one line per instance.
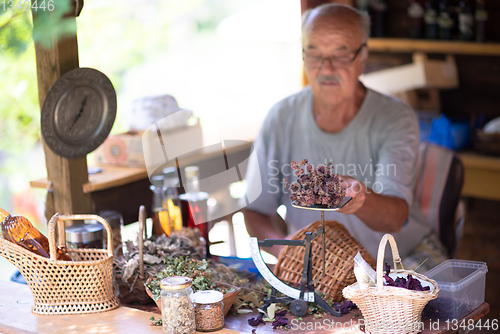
(335, 61)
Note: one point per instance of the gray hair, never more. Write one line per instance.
(331, 9)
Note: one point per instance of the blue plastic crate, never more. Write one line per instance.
(453, 135)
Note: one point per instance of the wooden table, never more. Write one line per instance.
(16, 317)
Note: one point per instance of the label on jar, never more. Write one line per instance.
(445, 20)
(415, 11)
(430, 16)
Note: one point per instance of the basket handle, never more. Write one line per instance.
(380, 257)
(58, 217)
(142, 222)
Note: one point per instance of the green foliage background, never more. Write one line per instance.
(113, 37)
(20, 111)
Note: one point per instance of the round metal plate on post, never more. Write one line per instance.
(78, 113)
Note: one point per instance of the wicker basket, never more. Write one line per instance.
(82, 286)
(340, 250)
(388, 309)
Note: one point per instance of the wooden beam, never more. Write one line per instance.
(310, 4)
(66, 175)
(403, 45)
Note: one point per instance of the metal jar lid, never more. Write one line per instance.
(82, 232)
(175, 283)
(207, 297)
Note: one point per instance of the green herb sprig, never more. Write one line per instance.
(195, 269)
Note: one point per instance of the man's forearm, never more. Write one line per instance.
(260, 226)
(383, 213)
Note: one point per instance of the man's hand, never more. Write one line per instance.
(355, 189)
(381, 213)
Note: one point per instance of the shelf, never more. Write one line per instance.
(481, 176)
(111, 176)
(446, 47)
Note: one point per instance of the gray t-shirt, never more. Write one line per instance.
(379, 147)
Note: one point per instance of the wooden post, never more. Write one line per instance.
(66, 175)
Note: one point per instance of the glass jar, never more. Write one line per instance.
(197, 207)
(171, 201)
(176, 307)
(161, 221)
(208, 310)
(115, 221)
(84, 235)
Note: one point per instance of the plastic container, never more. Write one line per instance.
(208, 310)
(461, 285)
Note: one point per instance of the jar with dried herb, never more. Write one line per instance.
(176, 307)
(208, 310)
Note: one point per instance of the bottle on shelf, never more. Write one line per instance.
(430, 18)
(198, 207)
(377, 13)
(416, 18)
(465, 21)
(362, 5)
(481, 16)
(445, 20)
(161, 222)
(19, 230)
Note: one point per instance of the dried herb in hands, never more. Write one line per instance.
(319, 185)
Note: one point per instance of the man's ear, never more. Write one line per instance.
(363, 57)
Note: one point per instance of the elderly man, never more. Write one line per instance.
(372, 139)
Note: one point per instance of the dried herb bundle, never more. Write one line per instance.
(156, 249)
(320, 186)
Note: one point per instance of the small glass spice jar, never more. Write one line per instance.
(208, 310)
(176, 307)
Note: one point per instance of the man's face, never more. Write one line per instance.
(333, 82)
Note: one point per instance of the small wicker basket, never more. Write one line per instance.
(388, 309)
(82, 286)
(340, 250)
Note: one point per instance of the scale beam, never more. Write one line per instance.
(273, 242)
(271, 278)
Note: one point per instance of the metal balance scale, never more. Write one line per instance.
(298, 298)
